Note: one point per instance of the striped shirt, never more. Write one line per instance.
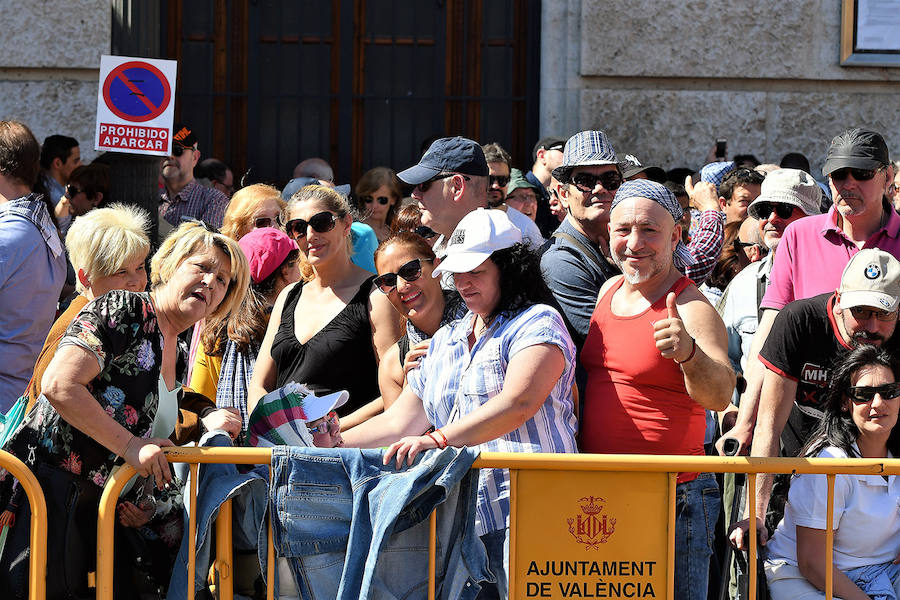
(453, 381)
(196, 201)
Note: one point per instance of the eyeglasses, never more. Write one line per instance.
(586, 182)
(866, 393)
(382, 200)
(864, 314)
(500, 180)
(858, 174)
(325, 426)
(783, 211)
(423, 187)
(178, 150)
(72, 191)
(261, 222)
(408, 272)
(525, 198)
(739, 245)
(322, 222)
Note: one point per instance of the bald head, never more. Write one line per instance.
(317, 168)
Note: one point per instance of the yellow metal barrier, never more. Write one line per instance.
(518, 464)
(37, 572)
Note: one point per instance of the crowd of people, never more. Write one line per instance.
(591, 303)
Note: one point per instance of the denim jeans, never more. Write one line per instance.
(352, 527)
(496, 543)
(697, 505)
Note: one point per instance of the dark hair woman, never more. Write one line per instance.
(378, 196)
(499, 378)
(860, 421)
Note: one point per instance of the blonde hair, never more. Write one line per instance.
(186, 241)
(332, 202)
(105, 239)
(238, 220)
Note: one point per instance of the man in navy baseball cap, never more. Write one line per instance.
(450, 182)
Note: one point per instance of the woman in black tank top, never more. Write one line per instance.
(405, 262)
(330, 330)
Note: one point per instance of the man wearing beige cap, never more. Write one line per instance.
(805, 339)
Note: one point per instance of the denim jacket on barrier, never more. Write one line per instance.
(217, 483)
(354, 528)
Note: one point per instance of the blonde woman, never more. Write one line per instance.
(253, 207)
(330, 330)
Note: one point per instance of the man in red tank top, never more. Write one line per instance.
(656, 357)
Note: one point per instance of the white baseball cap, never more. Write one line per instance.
(478, 235)
(317, 407)
(871, 278)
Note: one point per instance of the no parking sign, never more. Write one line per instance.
(135, 105)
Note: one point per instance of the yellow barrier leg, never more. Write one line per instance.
(670, 561)
(432, 554)
(224, 566)
(270, 564)
(829, 539)
(751, 503)
(513, 573)
(192, 532)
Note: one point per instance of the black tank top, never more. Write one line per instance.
(339, 356)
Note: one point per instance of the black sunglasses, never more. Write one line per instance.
(586, 182)
(783, 211)
(423, 187)
(72, 191)
(864, 314)
(322, 222)
(261, 222)
(858, 174)
(739, 245)
(408, 272)
(425, 231)
(866, 393)
(382, 200)
(500, 180)
(178, 150)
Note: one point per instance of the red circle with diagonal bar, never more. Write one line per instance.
(136, 91)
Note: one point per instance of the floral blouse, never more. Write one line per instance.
(121, 331)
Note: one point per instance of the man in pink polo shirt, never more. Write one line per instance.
(814, 251)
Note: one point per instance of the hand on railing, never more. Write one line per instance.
(739, 535)
(148, 459)
(226, 419)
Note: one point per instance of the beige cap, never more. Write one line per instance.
(871, 278)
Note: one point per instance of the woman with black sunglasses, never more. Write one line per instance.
(860, 421)
(378, 197)
(329, 330)
(405, 263)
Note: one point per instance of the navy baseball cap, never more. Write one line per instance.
(447, 155)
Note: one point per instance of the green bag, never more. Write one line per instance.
(12, 419)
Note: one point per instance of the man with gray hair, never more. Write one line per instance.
(317, 168)
(656, 358)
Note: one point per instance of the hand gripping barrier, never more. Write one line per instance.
(37, 572)
(520, 466)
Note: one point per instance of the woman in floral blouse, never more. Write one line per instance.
(110, 392)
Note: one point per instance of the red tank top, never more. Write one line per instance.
(636, 401)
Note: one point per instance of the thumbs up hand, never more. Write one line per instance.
(672, 339)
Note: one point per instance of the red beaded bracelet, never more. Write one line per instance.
(691, 355)
(444, 437)
(434, 439)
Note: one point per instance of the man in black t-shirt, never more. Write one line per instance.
(806, 338)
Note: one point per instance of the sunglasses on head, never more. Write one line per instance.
(858, 174)
(586, 182)
(864, 314)
(783, 211)
(866, 393)
(178, 150)
(261, 222)
(324, 427)
(72, 191)
(500, 180)
(408, 272)
(322, 222)
(382, 200)
(425, 185)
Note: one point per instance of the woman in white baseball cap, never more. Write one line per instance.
(499, 378)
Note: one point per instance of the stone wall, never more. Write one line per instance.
(665, 78)
(49, 66)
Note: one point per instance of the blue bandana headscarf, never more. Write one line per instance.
(644, 188)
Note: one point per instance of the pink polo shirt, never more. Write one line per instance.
(813, 253)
